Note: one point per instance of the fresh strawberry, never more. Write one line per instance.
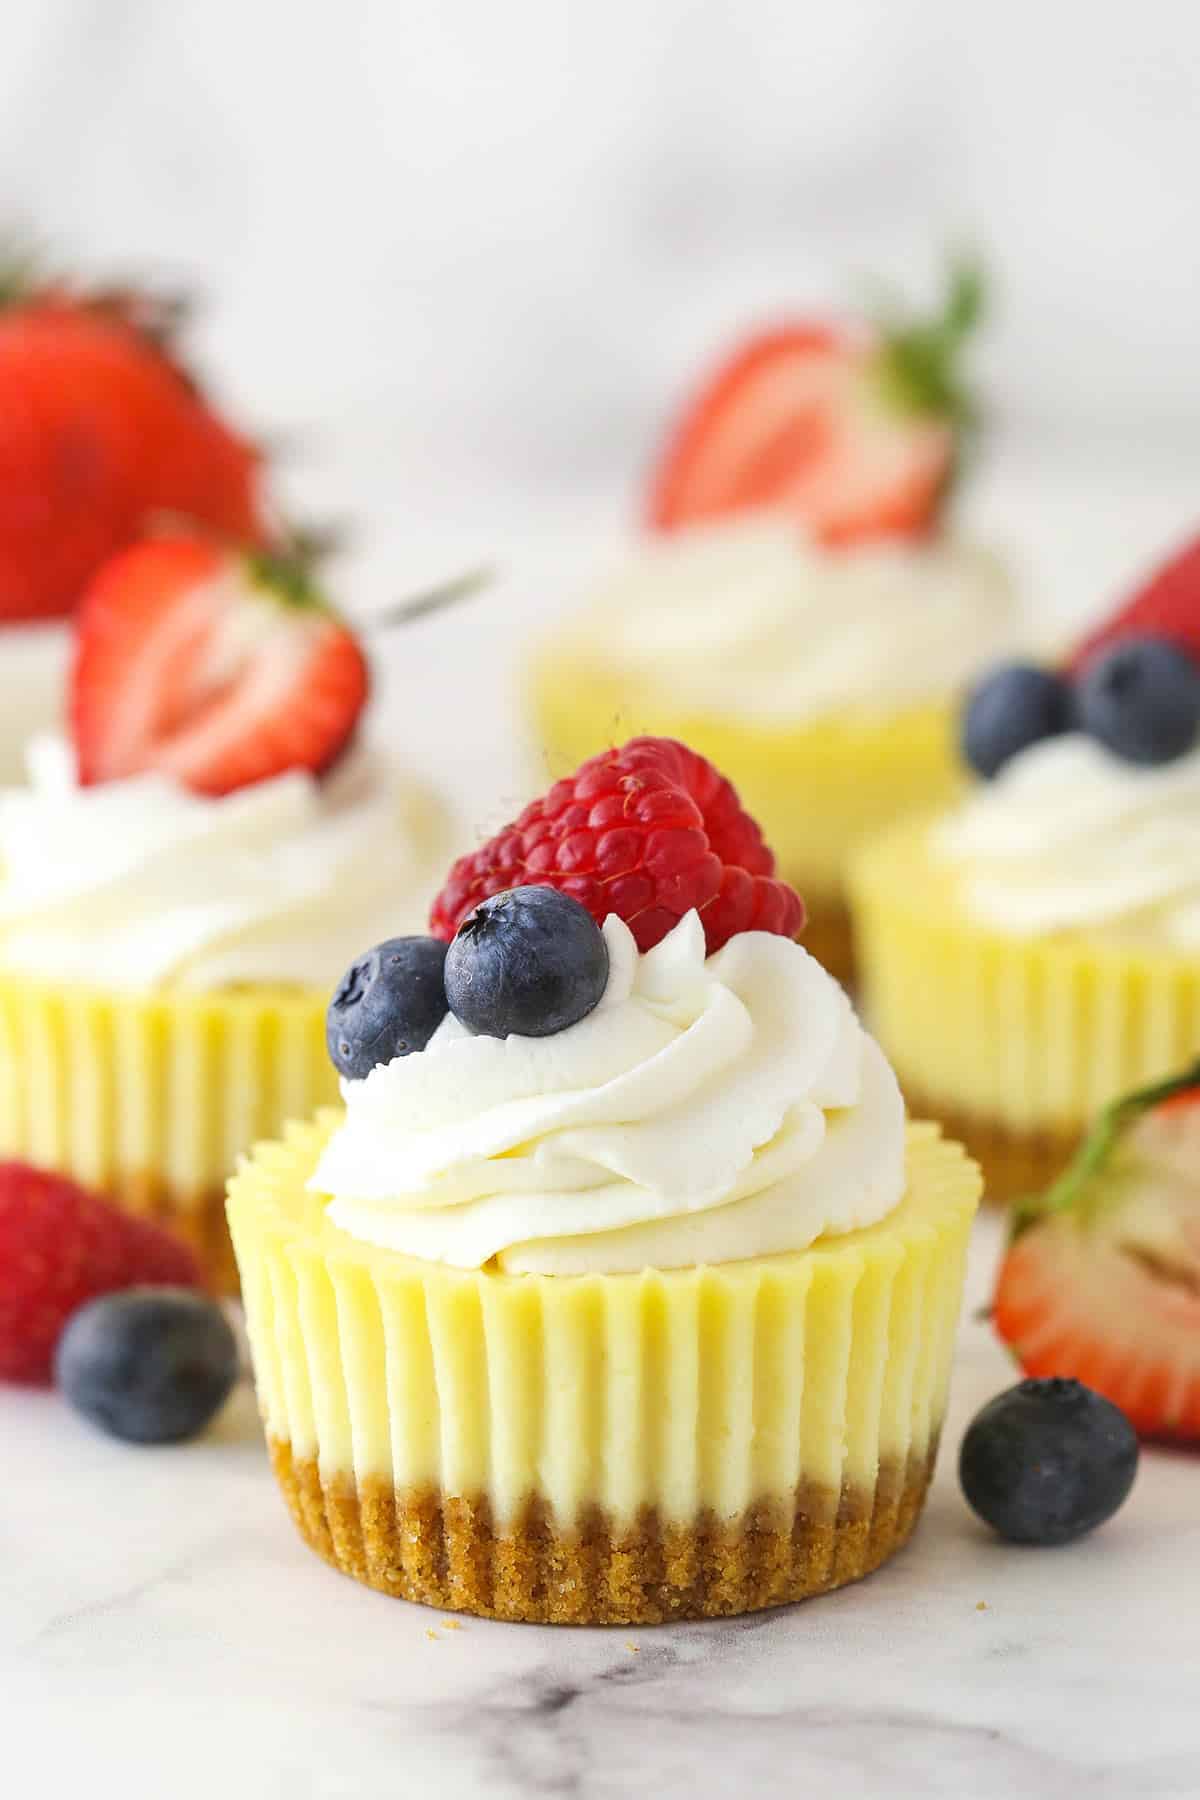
(1167, 606)
(854, 432)
(59, 1246)
(217, 667)
(1102, 1278)
(647, 832)
(101, 430)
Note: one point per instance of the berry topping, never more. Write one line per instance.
(1047, 1461)
(1101, 1280)
(1141, 699)
(388, 1004)
(526, 963)
(151, 1366)
(853, 432)
(59, 1247)
(647, 832)
(100, 430)
(1011, 708)
(1166, 606)
(217, 668)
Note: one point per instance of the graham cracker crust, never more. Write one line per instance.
(1015, 1164)
(444, 1551)
(828, 936)
(198, 1218)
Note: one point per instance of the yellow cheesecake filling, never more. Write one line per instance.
(818, 788)
(1026, 1034)
(151, 1098)
(689, 1393)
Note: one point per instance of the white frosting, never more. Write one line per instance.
(1069, 836)
(139, 884)
(750, 621)
(705, 1111)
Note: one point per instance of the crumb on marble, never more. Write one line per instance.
(431, 1633)
(632, 1648)
(981, 1606)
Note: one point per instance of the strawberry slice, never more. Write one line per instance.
(1102, 1278)
(855, 433)
(216, 667)
(1168, 606)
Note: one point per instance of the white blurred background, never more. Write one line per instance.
(462, 256)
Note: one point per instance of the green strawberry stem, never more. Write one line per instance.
(26, 275)
(436, 599)
(1097, 1147)
(919, 359)
(20, 271)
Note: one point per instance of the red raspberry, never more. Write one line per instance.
(646, 832)
(59, 1246)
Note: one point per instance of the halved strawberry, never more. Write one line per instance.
(1168, 606)
(218, 667)
(1102, 1278)
(854, 432)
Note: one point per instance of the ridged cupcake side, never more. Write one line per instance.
(602, 1448)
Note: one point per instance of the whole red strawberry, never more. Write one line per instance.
(1165, 606)
(100, 430)
(853, 431)
(647, 832)
(217, 667)
(1101, 1281)
(59, 1246)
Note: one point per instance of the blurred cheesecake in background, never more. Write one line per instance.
(185, 877)
(799, 609)
(1032, 953)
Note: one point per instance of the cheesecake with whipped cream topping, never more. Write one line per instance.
(648, 1317)
(1033, 953)
(184, 876)
(822, 679)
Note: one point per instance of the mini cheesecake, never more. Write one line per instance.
(620, 1290)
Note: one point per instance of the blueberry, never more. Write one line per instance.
(150, 1364)
(1014, 706)
(1142, 700)
(1047, 1461)
(388, 1004)
(530, 961)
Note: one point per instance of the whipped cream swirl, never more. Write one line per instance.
(140, 884)
(748, 620)
(705, 1111)
(1070, 837)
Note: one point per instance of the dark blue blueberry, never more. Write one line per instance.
(1047, 1461)
(529, 962)
(388, 1004)
(1142, 700)
(1014, 706)
(150, 1365)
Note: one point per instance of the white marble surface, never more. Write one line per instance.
(163, 1631)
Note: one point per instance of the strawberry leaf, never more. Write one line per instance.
(919, 359)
